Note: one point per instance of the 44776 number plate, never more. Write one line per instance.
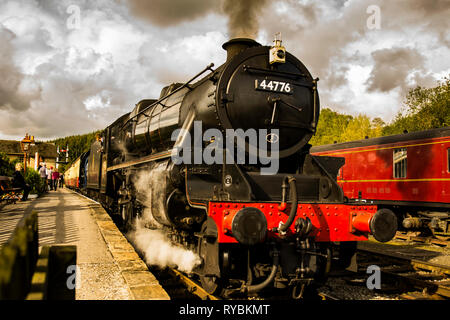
(274, 86)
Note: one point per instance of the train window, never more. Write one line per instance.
(448, 160)
(400, 163)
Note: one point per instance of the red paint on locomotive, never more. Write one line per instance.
(331, 222)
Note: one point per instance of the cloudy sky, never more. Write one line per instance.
(71, 67)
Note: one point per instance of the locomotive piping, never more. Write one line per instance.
(258, 287)
(294, 201)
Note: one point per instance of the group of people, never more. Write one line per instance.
(51, 177)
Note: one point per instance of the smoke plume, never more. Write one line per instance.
(243, 17)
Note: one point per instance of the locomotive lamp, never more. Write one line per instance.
(25, 144)
(277, 52)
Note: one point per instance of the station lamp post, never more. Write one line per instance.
(25, 145)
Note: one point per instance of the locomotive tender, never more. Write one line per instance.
(251, 230)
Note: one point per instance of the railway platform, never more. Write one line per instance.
(108, 268)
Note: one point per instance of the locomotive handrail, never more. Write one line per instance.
(208, 67)
(282, 73)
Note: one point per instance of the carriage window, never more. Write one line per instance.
(400, 163)
(448, 160)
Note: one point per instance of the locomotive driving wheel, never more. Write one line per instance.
(208, 251)
(127, 215)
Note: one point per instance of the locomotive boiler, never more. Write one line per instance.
(252, 228)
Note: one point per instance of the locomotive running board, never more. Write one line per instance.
(153, 157)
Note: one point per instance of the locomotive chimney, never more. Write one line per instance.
(236, 45)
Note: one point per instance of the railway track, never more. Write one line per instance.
(413, 278)
(402, 278)
(441, 240)
(180, 286)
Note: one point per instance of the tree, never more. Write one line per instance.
(77, 145)
(423, 109)
(358, 128)
(336, 127)
(331, 125)
(7, 167)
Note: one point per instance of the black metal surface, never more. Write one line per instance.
(237, 101)
(383, 225)
(249, 226)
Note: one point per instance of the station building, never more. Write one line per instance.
(40, 152)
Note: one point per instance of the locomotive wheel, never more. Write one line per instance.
(208, 250)
(211, 285)
(127, 214)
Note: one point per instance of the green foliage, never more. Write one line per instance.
(7, 167)
(423, 109)
(331, 124)
(77, 145)
(33, 178)
(334, 126)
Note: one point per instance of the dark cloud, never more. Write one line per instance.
(392, 67)
(167, 13)
(73, 81)
(16, 89)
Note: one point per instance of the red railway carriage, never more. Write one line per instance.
(410, 173)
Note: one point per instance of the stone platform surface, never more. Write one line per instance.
(109, 268)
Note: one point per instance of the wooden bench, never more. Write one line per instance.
(8, 193)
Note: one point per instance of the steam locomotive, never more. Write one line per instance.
(253, 229)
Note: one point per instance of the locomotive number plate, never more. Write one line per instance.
(274, 86)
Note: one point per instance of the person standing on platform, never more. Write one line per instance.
(55, 178)
(61, 180)
(49, 178)
(43, 174)
(19, 182)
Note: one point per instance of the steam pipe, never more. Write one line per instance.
(294, 201)
(270, 278)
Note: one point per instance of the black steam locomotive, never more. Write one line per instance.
(252, 228)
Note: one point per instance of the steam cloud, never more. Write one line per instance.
(151, 241)
(159, 251)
